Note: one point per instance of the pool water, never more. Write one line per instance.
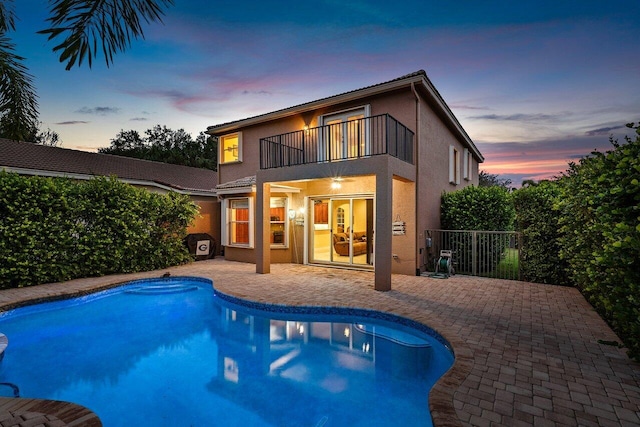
(170, 352)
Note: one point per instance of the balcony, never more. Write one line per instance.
(354, 139)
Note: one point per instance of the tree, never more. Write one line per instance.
(486, 179)
(83, 28)
(600, 233)
(162, 144)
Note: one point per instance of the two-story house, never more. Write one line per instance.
(350, 181)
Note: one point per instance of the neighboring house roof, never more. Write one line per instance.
(418, 79)
(33, 159)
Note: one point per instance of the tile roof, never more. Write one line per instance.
(247, 181)
(62, 161)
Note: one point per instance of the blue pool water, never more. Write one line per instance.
(170, 352)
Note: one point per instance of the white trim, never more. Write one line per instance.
(224, 214)
(454, 165)
(321, 119)
(220, 149)
(467, 162)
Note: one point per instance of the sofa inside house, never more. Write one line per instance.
(341, 243)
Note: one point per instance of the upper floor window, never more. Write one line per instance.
(344, 134)
(468, 164)
(231, 148)
(454, 165)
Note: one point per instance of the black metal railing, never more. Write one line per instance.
(354, 139)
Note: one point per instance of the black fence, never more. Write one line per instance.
(369, 136)
(477, 253)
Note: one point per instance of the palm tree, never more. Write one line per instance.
(83, 28)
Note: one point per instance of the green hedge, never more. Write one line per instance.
(478, 208)
(600, 225)
(56, 229)
(537, 220)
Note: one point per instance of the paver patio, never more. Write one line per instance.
(526, 354)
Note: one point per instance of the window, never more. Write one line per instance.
(239, 231)
(454, 165)
(345, 134)
(231, 148)
(278, 221)
(468, 164)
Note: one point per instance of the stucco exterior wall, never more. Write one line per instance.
(208, 219)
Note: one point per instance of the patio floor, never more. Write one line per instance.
(526, 354)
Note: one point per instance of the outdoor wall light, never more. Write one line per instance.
(292, 214)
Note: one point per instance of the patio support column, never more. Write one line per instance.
(262, 221)
(382, 242)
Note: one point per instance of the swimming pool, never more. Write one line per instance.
(172, 352)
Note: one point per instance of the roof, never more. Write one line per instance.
(247, 184)
(34, 159)
(418, 78)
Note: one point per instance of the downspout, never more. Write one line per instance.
(420, 254)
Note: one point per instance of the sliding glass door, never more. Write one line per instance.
(342, 231)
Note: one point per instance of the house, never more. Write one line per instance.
(199, 184)
(350, 181)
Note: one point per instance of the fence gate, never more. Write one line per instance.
(477, 253)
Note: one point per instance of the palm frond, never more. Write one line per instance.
(18, 99)
(7, 16)
(89, 26)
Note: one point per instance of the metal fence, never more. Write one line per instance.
(477, 253)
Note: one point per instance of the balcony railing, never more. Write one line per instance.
(354, 139)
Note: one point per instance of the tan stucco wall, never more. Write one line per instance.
(208, 219)
(404, 246)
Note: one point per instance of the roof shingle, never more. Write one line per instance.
(25, 155)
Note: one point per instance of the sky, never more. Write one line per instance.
(536, 84)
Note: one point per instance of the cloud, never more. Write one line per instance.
(521, 117)
(73, 122)
(138, 119)
(603, 131)
(101, 111)
(466, 107)
(539, 159)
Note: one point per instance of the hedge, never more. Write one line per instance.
(478, 208)
(537, 219)
(600, 226)
(56, 229)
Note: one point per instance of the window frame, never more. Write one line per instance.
(322, 120)
(226, 231)
(467, 168)
(222, 149)
(454, 165)
(284, 222)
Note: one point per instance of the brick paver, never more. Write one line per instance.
(525, 353)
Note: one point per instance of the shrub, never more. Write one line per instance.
(478, 208)
(537, 220)
(600, 222)
(55, 229)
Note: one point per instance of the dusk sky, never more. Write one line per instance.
(534, 83)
